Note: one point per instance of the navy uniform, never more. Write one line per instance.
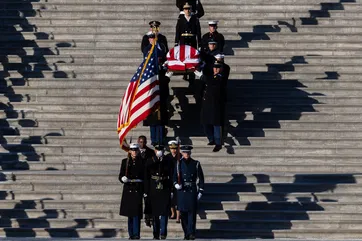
(186, 174)
(188, 31)
(196, 5)
(213, 104)
(158, 188)
(173, 158)
(131, 175)
(161, 39)
(218, 37)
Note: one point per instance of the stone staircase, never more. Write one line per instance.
(291, 165)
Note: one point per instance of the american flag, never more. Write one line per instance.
(141, 97)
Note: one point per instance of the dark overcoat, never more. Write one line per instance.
(213, 100)
(132, 195)
(173, 160)
(158, 185)
(218, 37)
(146, 154)
(190, 172)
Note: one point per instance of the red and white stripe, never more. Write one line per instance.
(183, 57)
(146, 99)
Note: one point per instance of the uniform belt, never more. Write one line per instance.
(134, 180)
(187, 35)
(158, 178)
(189, 183)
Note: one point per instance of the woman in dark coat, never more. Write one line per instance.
(131, 175)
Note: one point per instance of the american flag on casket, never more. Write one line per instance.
(183, 58)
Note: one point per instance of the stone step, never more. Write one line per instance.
(234, 167)
(230, 59)
(253, 158)
(109, 176)
(201, 224)
(204, 205)
(206, 233)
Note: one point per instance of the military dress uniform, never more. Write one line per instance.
(188, 32)
(158, 188)
(131, 175)
(196, 5)
(185, 179)
(161, 39)
(218, 37)
(159, 118)
(212, 109)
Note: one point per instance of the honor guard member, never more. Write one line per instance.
(159, 118)
(161, 39)
(131, 176)
(215, 35)
(196, 7)
(212, 48)
(188, 31)
(144, 151)
(186, 174)
(212, 107)
(173, 157)
(158, 188)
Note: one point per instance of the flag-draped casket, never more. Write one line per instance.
(183, 58)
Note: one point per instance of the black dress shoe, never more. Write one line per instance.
(136, 237)
(192, 237)
(163, 237)
(156, 238)
(217, 148)
(211, 143)
(186, 237)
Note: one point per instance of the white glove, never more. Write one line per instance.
(169, 74)
(124, 179)
(171, 195)
(199, 196)
(178, 186)
(198, 73)
(144, 195)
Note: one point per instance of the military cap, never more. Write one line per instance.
(150, 34)
(217, 64)
(212, 41)
(159, 147)
(134, 147)
(186, 148)
(154, 24)
(213, 22)
(187, 5)
(173, 144)
(219, 56)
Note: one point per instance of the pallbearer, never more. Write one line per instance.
(187, 172)
(131, 175)
(158, 187)
(174, 156)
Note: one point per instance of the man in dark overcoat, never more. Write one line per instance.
(213, 104)
(215, 35)
(131, 175)
(186, 174)
(196, 7)
(145, 151)
(158, 188)
(174, 156)
(161, 39)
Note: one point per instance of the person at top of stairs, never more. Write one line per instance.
(197, 7)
